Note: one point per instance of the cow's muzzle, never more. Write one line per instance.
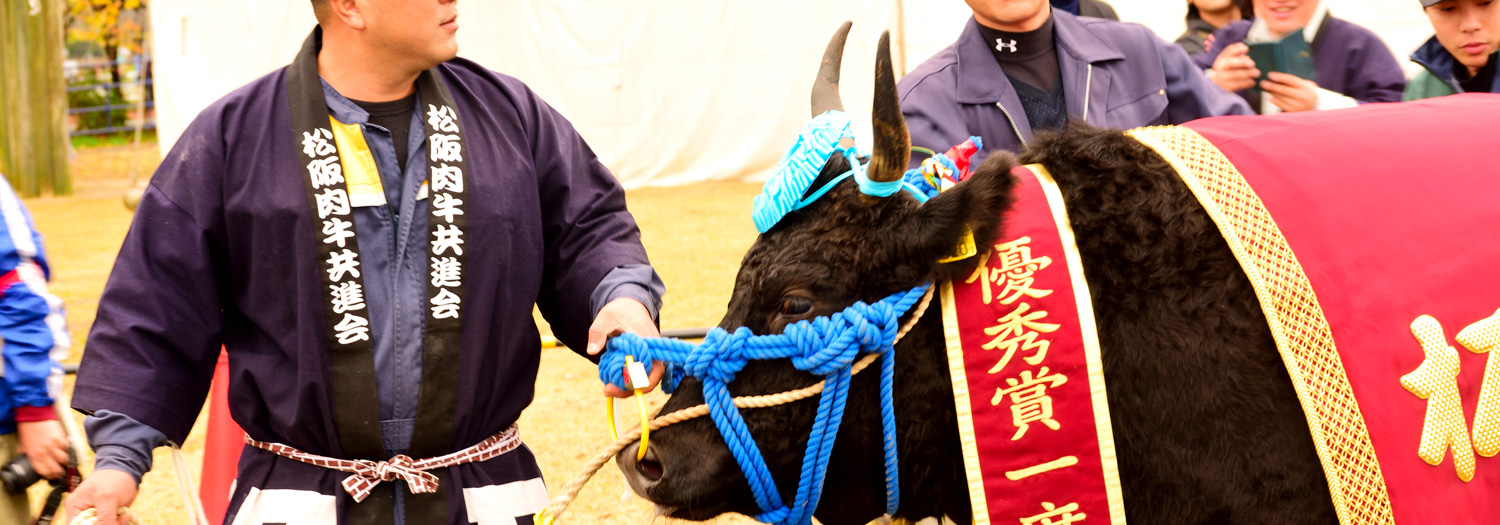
(640, 474)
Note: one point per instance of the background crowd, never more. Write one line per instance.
(1277, 56)
(1023, 66)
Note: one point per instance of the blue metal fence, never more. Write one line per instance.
(141, 62)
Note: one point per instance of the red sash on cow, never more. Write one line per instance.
(1028, 382)
(1370, 238)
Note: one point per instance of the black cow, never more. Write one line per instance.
(1207, 426)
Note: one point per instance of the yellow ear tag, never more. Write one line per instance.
(966, 248)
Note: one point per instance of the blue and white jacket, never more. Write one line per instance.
(32, 322)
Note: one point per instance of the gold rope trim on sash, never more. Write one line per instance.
(966, 439)
(1090, 335)
(1296, 320)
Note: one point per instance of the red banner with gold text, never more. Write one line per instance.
(1028, 382)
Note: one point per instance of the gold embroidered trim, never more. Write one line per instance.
(1090, 334)
(1296, 320)
(966, 438)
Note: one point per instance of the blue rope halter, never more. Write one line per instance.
(825, 346)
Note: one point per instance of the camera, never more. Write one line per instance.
(18, 475)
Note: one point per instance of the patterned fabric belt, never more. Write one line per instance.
(367, 474)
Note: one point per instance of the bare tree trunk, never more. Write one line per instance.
(57, 51)
(33, 141)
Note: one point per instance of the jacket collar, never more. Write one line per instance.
(1433, 56)
(980, 79)
(1200, 26)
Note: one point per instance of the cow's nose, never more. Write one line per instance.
(640, 474)
(649, 466)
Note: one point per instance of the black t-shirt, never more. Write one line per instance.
(1045, 110)
(394, 116)
(1480, 82)
(1030, 57)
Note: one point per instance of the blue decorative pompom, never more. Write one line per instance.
(799, 167)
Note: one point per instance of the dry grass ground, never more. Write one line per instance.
(695, 235)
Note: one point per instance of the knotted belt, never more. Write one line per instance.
(367, 474)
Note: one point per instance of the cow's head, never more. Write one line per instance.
(843, 248)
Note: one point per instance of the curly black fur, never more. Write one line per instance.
(1207, 426)
(1206, 423)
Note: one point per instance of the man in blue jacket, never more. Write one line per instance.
(1353, 66)
(32, 325)
(1461, 56)
(1020, 66)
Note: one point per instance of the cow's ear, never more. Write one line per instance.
(978, 205)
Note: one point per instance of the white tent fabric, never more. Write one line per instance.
(666, 92)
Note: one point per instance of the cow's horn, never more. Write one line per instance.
(892, 143)
(825, 91)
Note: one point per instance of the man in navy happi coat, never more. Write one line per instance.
(1022, 66)
(366, 232)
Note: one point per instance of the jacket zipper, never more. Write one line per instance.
(1088, 85)
(1012, 122)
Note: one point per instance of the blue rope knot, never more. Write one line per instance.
(825, 346)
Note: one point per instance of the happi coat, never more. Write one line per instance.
(224, 250)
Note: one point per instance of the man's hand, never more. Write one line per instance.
(1291, 93)
(1234, 70)
(106, 490)
(617, 317)
(45, 445)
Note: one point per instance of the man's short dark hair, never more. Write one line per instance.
(320, 8)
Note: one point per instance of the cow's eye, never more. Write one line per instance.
(796, 305)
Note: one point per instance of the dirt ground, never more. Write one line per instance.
(695, 235)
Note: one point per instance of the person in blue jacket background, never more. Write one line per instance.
(1021, 66)
(1461, 56)
(31, 323)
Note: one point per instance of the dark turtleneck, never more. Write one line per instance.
(1030, 57)
(1029, 61)
(1480, 82)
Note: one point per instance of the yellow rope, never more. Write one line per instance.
(569, 492)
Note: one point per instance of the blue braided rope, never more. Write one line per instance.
(888, 424)
(825, 346)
